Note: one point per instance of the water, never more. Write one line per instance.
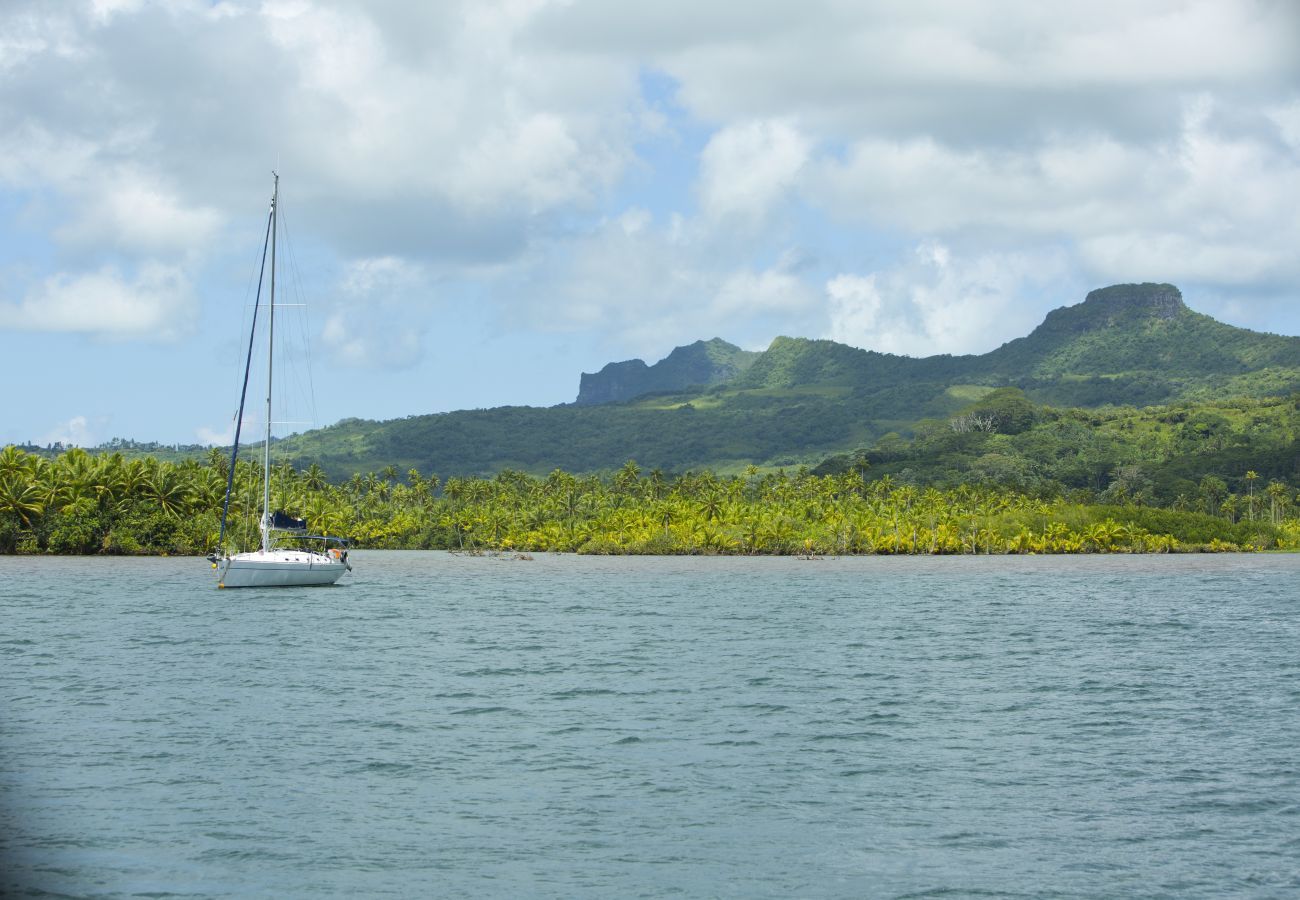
(584, 727)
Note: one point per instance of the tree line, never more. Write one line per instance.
(83, 503)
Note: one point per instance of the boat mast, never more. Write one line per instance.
(270, 350)
(243, 396)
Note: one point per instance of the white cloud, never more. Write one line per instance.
(746, 169)
(1060, 186)
(855, 307)
(35, 157)
(638, 172)
(131, 212)
(75, 432)
(380, 276)
(440, 133)
(1171, 42)
(451, 131)
(102, 11)
(477, 121)
(1287, 119)
(158, 304)
(25, 38)
(215, 437)
(625, 277)
(939, 302)
(224, 435)
(1183, 258)
(749, 293)
(1200, 206)
(356, 340)
(647, 285)
(992, 72)
(375, 293)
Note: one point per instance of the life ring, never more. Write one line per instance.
(335, 553)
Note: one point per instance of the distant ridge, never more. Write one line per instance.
(1141, 338)
(700, 364)
(1131, 333)
(712, 405)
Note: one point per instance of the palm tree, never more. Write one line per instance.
(667, 513)
(658, 485)
(168, 488)
(218, 459)
(21, 497)
(628, 478)
(83, 475)
(1212, 490)
(1278, 494)
(711, 506)
(15, 462)
(207, 488)
(325, 517)
(313, 478)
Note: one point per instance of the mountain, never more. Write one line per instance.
(696, 365)
(1141, 344)
(1133, 343)
(713, 405)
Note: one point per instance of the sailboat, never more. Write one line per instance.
(288, 556)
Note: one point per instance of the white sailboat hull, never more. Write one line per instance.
(279, 568)
(272, 566)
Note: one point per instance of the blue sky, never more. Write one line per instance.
(487, 199)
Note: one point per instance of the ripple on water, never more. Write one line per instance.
(1023, 727)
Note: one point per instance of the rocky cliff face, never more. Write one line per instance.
(700, 364)
(617, 381)
(1118, 304)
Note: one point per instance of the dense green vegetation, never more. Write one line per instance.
(696, 365)
(667, 433)
(803, 400)
(1104, 429)
(1185, 455)
(79, 503)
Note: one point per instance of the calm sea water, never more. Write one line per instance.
(586, 727)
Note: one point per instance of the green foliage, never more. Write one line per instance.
(105, 504)
(74, 529)
(1194, 455)
(1106, 428)
(1189, 527)
(697, 365)
(803, 400)
(1010, 410)
(792, 429)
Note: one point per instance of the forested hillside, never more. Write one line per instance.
(1186, 455)
(697, 365)
(1127, 394)
(803, 400)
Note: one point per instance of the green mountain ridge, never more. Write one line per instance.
(695, 365)
(1128, 328)
(713, 405)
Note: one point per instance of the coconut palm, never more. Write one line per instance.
(20, 497)
(167, 487)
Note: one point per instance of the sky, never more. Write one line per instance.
(486, 199)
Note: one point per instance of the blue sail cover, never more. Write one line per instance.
(282, 521)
